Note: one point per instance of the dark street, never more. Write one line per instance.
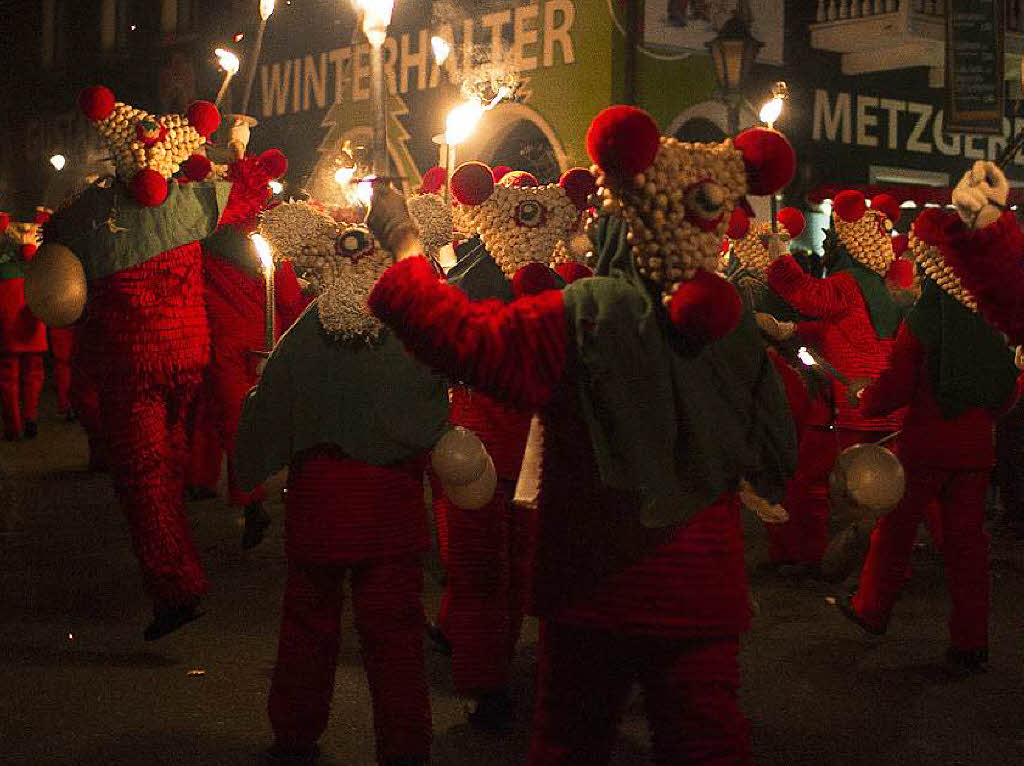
(81, 687)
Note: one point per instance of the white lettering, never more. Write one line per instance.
(417, 61)
(952, 147)
(914, 142)
(558, 33)
(524, 35)
(829, 120)
(971, 150)
(314, 79)
(494, 22)
(893, 107)
(275, 84)
(339, 58)
(865, 121)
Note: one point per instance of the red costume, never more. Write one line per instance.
(842, 325)
(626, 590)
(486, 552)
(144, 337)
(947, 446)
(22, 345)
(62, 347)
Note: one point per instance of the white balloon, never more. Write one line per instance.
(476, 494)
(459, 457)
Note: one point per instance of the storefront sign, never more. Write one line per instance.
(975, 35)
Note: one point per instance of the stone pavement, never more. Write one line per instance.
(79, 686)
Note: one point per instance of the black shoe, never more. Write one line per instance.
(31, 429)
(491, 712)
(438, 639)
(972, 660)
(281, 756)
(166, 622)
(256, 522)
(844, 604)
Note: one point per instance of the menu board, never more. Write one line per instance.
(974, 66)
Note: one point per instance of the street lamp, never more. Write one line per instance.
(733, 51)
(376, 18)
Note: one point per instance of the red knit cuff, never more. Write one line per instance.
(784, 274)
(392, 292)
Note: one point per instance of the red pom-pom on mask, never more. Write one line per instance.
(770, 160)
(149, 188)
(901, 274)
(518, 179)
(204, 117)
(573, 271)
(704, 309)
(5, 221)
(96, 102)
(849, 205)
(578, 184)
(433, 180)
(623, 141)
(793, 221)
(42, 217)
(887, 205)
(532, 279)
(472, 184)
(500, 171)
(197, 167)
(274, 163)
(739, 224)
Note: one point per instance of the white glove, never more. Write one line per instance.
(980, 197)
(773, 328)
(1018, 357)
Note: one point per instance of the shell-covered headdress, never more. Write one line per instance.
(925, 235)
(866, 232)
(749, 239)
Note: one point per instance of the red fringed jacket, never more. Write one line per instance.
(965, 443)
(841, 332)
(990, 264)
(595, 563)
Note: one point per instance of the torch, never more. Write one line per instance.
(266, 11)
(459, 126)
(376, 18)
(770, 112)
(229, 63)
(267, 262)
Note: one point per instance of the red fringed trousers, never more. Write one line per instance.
(961, 501)
(349, 520)
(62, 348)
(144, 429)
(21, 384)
(486, 554)
(690, 687)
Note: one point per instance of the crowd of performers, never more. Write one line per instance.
(590, 379)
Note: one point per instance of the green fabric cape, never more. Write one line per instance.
(678, 430)
(110, 232)
(375, 402)
(969, 362)
(230, 244)
(885, 314)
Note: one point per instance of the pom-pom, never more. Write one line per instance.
(532, 279)
(849, 205)
(623, 141)
(5, 221)
(704, 309)
(500, 172)
(571, 271)
(739, 224)
(472, 184)
(519, 179)
(197, 167)
(578, 184)
(887, 205)
(770, 160)
(901, 274)
(149, 188)
(204, 117)
(434, 180)
(274, 163)
(42, 216)
(793, 221)
(929, 226)
(900, 245)
(96, 102)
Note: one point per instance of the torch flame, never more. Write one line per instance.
(442, 49)
(266, 9)
(771, 110)
(264, 252)
(228, 61)
(461, 122)
(58, 161)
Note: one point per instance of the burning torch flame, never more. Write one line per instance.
(263, 251)
(461, 122)
(58, 161)
(266, 9)
(441, 49)
(376, 18)
(228, 61)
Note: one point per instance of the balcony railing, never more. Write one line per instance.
(841, 10)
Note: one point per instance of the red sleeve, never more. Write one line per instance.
(988, 262)
(249, 193)
(819, 298)
(515, 352)
(288, 294)
(897, 385)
